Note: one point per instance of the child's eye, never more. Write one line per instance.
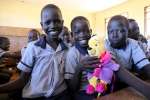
(57, 21)
(110, 31)
(54, 21)
(76, 32)
(123, 30)
(47, 22)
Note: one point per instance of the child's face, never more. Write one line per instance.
(133, 30)
(32, 36)
(5, 45)
(65, 35)
(51, 22)
(117, 34)
(81, 33)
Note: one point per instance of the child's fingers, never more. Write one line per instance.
(5, 60)
(93, 58)
(88, 58)
(93, 62)
(97, 61)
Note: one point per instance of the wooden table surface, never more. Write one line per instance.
(124, 94)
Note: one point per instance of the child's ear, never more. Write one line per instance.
(63, 22)
(71, 34)
(90, 30)
(41, 24)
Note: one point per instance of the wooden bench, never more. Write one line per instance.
(124, 94)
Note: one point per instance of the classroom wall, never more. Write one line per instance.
(22, 14)
(134, 9)
(17, 18)
(131, 8)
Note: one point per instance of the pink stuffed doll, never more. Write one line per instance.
(102, 75)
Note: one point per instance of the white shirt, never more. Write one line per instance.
(23, 50)
(72, 60)
(129, 56)
(47, 70)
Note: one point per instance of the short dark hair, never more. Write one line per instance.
(34, 30)
(119, 18)
(131, 20)
(51, 6)
(78, 18)
(4, 40)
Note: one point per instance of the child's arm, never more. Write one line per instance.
(85, 63)
(74, 82)
(146, 70)
(15, 85)
(134, 82)
(16, 55)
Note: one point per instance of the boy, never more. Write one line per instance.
(78, 59)
(134, 33)
(127, 53)
(7, 58)
(42, 64)
(33, 35)
(66, 36)
(134, 30)
(4, 46)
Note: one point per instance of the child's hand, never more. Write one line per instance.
(89, 61)
(9, 61)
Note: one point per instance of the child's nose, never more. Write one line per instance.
(115, 34)
(52, 25)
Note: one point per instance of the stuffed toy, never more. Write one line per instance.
(102, 74)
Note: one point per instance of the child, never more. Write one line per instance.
(134, 30)
(7, 58)
(134, 33)
(77, 57)
(127, 53)
(33, 35)
(42, 64)
(4, 74)
(66, 36)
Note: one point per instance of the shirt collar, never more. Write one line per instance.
(42, 43)
(83, 51)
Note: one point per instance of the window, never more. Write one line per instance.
(147, 20)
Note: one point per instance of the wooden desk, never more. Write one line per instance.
(124, 94)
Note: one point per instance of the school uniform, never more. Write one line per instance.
(4, 76)
(131, 55)
(47, 71)
(74, 55)
(23, 50)
(2, 52)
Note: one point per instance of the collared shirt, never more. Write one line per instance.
(74, 55)
(23, 50)
(131, 55)
(47, 70)
(2, 52)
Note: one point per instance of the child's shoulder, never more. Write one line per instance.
(132, 43)
(72, 51)
(31, 45)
